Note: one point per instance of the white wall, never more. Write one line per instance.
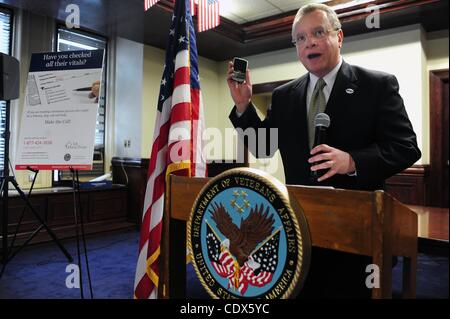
(153, 69)
(128, 97)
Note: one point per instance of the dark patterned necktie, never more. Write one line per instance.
(317, 105)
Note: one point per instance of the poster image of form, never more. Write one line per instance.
(59, 117)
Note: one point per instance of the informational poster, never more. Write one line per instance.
(57, 129)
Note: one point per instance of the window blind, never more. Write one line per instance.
(5, 47)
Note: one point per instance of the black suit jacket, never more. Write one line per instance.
(368, 120)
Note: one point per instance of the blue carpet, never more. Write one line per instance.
(39, 271)
(432, 277)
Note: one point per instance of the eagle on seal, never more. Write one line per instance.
(243, 240)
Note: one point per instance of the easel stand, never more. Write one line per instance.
(78, 216)
(8, 253)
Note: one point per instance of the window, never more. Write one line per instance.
(5, 47)
(69, 40)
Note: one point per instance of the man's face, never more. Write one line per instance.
(320, 49)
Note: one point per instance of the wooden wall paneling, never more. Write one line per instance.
(29, 221)
(61, 209)
(107, 205)
(410, 186)
(132, 172)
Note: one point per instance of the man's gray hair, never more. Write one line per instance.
(331, 15)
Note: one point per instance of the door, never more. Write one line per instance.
(439, 161)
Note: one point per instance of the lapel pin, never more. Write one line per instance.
(349, 91)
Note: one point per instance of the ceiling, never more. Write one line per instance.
(240, 11)
(247, 26)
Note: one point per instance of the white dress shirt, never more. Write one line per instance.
(329, 80)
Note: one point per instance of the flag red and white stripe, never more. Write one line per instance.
(208, 14)
(247, 277)
(149, 3)
(194, 4)
(177, 143)
(225, 267)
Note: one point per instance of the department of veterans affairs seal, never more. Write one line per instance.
(247, 239)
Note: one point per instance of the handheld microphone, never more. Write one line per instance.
(321, 123)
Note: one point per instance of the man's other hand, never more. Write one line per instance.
(333, 159)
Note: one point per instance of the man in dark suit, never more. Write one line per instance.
(370, 137)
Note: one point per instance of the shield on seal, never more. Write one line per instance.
(248, 238)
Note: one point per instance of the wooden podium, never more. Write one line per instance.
(366, 223)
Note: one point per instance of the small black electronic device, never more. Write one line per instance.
(240, 69)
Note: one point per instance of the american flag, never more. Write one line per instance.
(176, 145)
(257, 271)
(267, 258)
(221, 259)
(149, 3)
(208, 14)
(267, 255)
(212, 243)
